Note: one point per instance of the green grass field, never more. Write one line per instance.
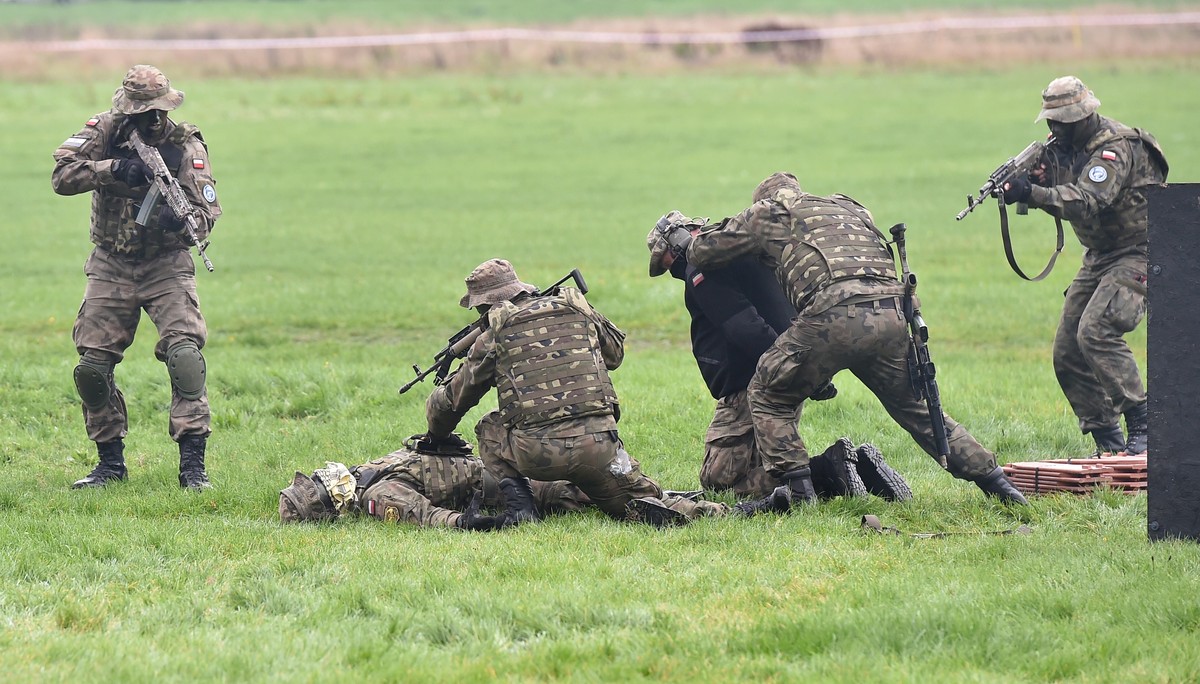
(354, 208)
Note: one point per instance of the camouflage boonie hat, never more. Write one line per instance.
(302, 501)
(1068, 100)
(773, 183)
(145, 88)
(492, 282)
(656, 240)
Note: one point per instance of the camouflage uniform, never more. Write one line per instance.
(428, 490)
(1097, 170)
(548, 357)
(135, 268)
(838, 271)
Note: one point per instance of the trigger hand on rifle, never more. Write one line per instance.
(131, 172)
(1039, 176)
(168, 222)
(1017, 190)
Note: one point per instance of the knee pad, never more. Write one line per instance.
(93, 381)
(185, 365)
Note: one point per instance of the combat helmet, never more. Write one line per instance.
(145, 88)
(1067, 100)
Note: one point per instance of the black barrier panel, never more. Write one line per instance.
(1173, 362)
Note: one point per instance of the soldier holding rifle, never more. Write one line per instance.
(1093, 176)
(839, 272)
(141, 262)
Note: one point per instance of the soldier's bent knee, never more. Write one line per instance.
(93, 381)
(185, 365)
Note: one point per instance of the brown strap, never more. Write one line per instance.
(1008, 251)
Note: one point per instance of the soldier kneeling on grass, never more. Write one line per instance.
(430, 485)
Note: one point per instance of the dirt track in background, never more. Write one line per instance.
(20, 58)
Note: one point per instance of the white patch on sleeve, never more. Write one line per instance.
(73, 142)
(1097, 174)
(210, 193)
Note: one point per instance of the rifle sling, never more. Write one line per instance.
(1012, 259)
(871, 523)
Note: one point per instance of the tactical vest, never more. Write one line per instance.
(834, 239)
(1126, 221)
(115, 207)
(447, 481)
(549, 366)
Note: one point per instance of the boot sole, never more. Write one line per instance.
(880, 478)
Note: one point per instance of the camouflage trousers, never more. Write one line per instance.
(400, 501)
(1094, 365)
(731, 458)
(596, 462)
(870, 340)
(118, 290)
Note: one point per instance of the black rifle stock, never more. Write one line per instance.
(166, 186)
(922, 375)
(460, 342)
(1018, 166)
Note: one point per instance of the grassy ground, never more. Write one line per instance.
(353, 211)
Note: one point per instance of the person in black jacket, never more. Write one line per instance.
(737, 312)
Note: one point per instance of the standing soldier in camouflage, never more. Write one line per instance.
(419, 485)
(839, 273)
(548, 356)
(135, 267)
(1093, 176)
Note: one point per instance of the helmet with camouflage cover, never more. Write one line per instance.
(1067, 100)
(774, 183)
(145, 88)
(656, 240)
(492, 282)
(302, 501)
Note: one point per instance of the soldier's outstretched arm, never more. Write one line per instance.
(734, 237)
(450, 401)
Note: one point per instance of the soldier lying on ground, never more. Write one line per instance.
(421, 484)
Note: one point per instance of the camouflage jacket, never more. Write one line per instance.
(484, 368)
(84, 161)
(1098, 188)
(447, 481)
(778, 232)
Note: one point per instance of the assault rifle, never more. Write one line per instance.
(166, 186)
(1018, 166)
(461, 341)
(922, 375)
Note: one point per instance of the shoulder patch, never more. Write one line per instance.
(197, 163)
(92, 121)
(74, 142)
(1097, 174)
(1108, 155)
(210, 193)
(697, 278)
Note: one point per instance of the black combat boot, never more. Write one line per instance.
(518, 501)
(996, 484)
(191, 463)
(878, 477)
(833, 471)
(111, 466)
(1109, 440)
(1137, 422)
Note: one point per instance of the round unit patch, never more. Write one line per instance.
(1097, 174)
(210, 193)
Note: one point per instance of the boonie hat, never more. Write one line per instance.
(1068, 100)
(145, 88)
(492, 282)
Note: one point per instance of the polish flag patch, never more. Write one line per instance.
(92, 121)
(197, 163)
(1108, 155)
(697, 279)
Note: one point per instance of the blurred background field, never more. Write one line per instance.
(357, 197)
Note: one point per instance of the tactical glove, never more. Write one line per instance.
(1017, 190)
(473, 521)
(168, 222)
(131, 172)
(824, 392)
(450, 445)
